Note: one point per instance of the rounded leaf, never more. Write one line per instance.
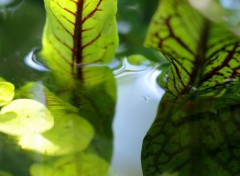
(70, 133)
(24, 117)
(6, 92)
(82, 164)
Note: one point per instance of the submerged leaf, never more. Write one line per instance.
(196, 131)
(6, 92)
(81, 164)
(25, 116)
(98, 111)
(77, 34)
(70, 134)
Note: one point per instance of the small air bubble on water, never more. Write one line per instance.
(146, 98)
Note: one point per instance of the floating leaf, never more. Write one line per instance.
(25, 116)
(6, 92)
(80, 164)
(196, 131)
(79, 33)
(138, 59)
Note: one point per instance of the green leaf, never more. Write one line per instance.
(138, 59)
(77, 34)
(70, 134)
(203, 55)
(25, 116)
(80, 164)
(79, 41)
(98, 107)
(196, 131)
(6, 92)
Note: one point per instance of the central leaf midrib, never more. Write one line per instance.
(200, 55)
(77, 56)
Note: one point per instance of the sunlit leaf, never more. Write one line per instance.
(203, 55)
(25, 116)
(77, 34)
(79, 41)
(98, 112)
(6, 92)
(37, 91)
(196, 131)
(80, 164)
(70, 134)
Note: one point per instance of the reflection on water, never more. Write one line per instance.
(32, 61)
(137, 102)
(126, 67)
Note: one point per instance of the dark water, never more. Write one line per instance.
(21, 28)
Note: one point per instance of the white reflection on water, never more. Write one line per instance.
(32, 62)
(138, 99)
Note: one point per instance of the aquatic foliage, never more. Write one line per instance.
(196, 131)
(74, 165)
(6, 92)
(74, 116)
(79, 34)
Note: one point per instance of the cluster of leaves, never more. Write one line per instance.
(56, 131)
(196, 131)
(68, 124)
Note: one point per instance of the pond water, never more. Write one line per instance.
(21, 25)
(138, 95)
(132, 120)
